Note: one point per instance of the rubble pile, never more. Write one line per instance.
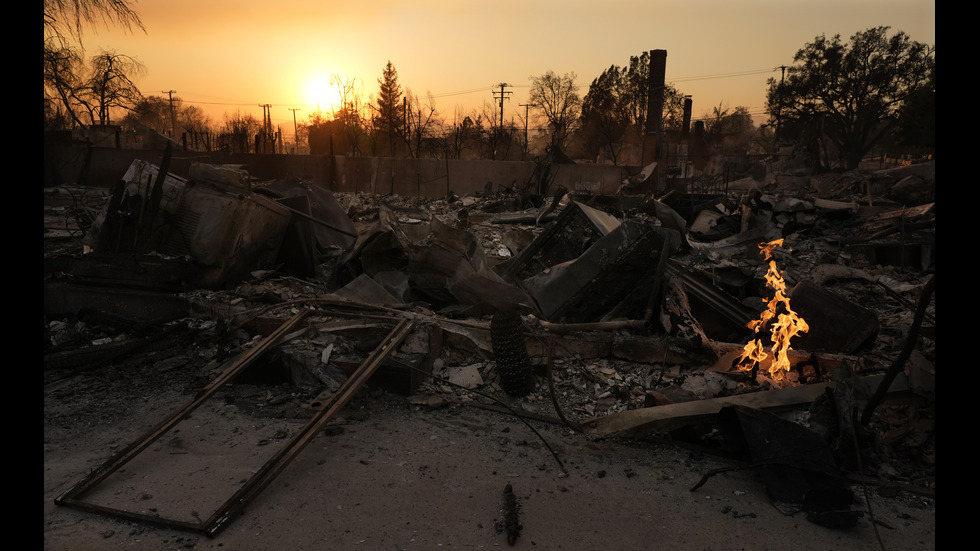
(615, 309)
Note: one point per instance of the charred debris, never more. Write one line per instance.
(618, 316)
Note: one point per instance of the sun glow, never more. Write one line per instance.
(321, 95)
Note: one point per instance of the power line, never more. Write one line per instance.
(244, 103)
(502, 93)
(722, 75)
(460, 93)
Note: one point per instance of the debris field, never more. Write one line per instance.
(787, 324)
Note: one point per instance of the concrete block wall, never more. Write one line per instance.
(104, 167)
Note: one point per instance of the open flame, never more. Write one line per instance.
(784, 322)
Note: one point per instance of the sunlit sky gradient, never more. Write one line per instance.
(231, 56)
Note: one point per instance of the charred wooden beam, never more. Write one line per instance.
(673, 416)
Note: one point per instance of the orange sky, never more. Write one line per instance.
(234, 55)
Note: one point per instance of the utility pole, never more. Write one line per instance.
(779, 99)
(408, 134)
(265, 137)
(502, 96)
(527, 107)
(173, 117)
(266, 117)
(295, 131)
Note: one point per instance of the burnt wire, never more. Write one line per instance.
(564, 472)
(864, 487)
(551, 380)
(554, 397)
(81, 215)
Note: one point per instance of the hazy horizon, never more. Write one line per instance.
(230, 56)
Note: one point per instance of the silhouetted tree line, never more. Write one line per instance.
(836, 102)
(840, 99)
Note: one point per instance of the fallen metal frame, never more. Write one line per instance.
(261, 478)
(734, 311)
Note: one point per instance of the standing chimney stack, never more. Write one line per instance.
(686, 130)
(655, 109)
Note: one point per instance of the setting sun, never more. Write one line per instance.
(321, 94)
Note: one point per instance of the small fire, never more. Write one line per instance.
(787, 323)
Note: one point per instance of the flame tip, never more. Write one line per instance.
(786, 325)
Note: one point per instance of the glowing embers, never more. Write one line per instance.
(782, 322)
